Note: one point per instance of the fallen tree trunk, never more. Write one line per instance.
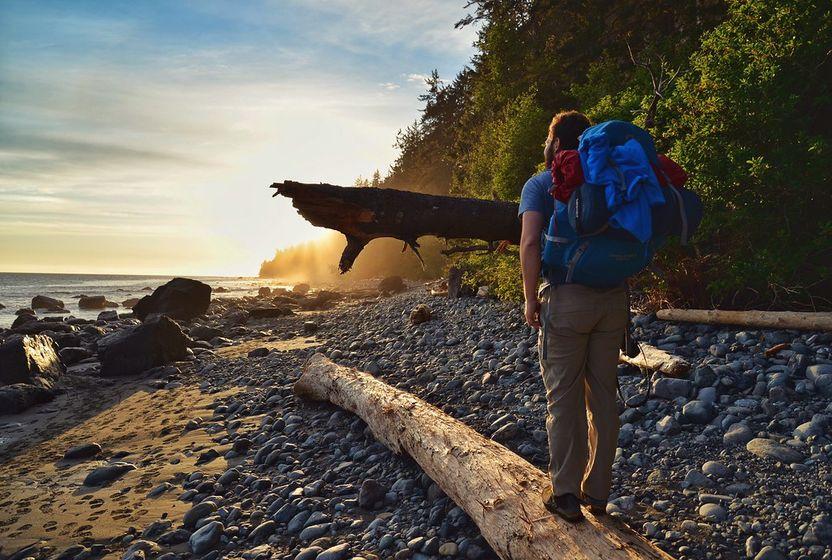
(366, 213)
(654, 359)
(499, 490)
(757, 319)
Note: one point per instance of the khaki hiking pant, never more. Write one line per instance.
(581, 332)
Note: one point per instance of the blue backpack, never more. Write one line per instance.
(584, 246)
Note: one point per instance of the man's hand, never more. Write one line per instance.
(533, 313)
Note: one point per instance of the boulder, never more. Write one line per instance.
(107, 473)
(109, 315)
(737, 434)
(206, 538)
(323, 299)
(420, 314)
(391, 285)
(73, 354)
(29, 359)
(82, 451)
(37, 327)
(698, 412)
(669, 388)
(45, 302)
(265, 291)
(269, 312)
(181, 298)
(301, 289)
(139, 348)
(235, 317)
(20, 396)
(25, 311)
(815, 372)
(94, 302)
(22, 319)
(204, 332)
(130, 302)
(371, 492)
(766, 448)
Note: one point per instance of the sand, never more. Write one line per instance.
(42, 497)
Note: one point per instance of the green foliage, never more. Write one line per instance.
(752, 122)
(499, 271)
(749, 117)
(507, 151)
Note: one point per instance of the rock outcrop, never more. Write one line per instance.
(45, 302)
(181, 298)
(136, 349)
(95, 302)
(29, 359)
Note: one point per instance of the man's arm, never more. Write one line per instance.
(530, 263)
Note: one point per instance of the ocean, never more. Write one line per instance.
(18, 288)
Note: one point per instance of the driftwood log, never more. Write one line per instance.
(654, 359)
(499, 490)
(757, 319)
(366, 213)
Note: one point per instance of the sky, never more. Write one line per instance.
(140, 137)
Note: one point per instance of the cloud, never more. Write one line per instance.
(420, 78)
(167, 122)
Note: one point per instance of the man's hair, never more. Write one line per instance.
(567, 127)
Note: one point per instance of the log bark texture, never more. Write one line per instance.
(758, 319)
(499, 490)
(365, 213)
(654, 359)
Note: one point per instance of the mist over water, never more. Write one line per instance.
(316, 262)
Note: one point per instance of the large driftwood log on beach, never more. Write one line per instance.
(365, 213)
(653, 359)
(499, 490)
(757, 319)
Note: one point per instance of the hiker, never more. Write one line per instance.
(583, 329)
(605, 203)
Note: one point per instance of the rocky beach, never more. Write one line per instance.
(173, 431)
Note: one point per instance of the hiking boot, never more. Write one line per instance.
(566, 506)
(596, 506)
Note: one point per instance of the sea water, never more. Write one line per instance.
(18, 288)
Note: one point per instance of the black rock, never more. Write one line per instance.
(704, 376)
(269, 312)
(20, 396)
(22, 319)
(29, 359)
(370, 493)
(139, 348)
(45, 302)
(37, 327)
(392, 285)
(107, 473)
(82, 451)
(698, 412)
(203, 332)
(181, 298)
(73, 354)
(94, 302)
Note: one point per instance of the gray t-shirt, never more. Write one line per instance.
(536, 197)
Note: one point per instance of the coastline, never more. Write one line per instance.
(285, 476)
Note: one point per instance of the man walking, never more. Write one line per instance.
(581, 330)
